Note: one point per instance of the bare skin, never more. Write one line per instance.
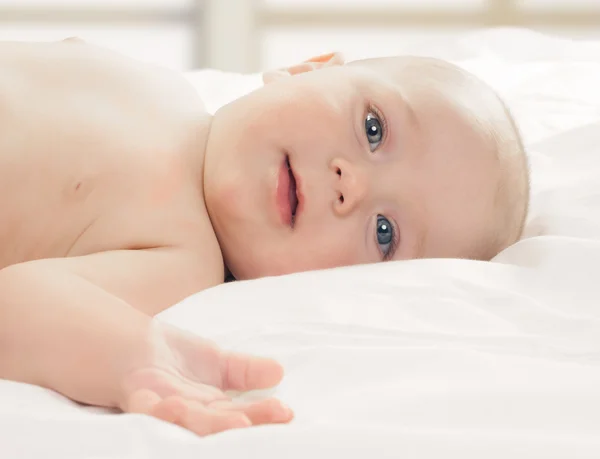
(125, 176)
(120, 196)
(104, 225)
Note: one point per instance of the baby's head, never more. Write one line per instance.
(390, 159)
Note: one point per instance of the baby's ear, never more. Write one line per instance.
(314, 63)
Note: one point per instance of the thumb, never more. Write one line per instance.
(244, 372)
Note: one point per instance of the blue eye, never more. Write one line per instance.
(374, 131)
(385, 237)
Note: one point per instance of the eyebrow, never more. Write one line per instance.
(411, 112)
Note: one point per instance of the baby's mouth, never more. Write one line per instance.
(292, 194)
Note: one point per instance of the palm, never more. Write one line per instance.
(184, 378)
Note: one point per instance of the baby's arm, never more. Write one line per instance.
(71, 325)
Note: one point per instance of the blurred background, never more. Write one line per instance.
(252, 35)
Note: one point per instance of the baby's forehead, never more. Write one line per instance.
(388, 69)
(440, 96)
(433, 84)
(423, 84)
(419, 82)
(403, 68)
(422, 74)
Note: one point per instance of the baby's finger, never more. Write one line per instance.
(171, 409)
(270, 411)
(196, 417)
(141, 401)
(204, 421)
(199, 392)
(244, 372)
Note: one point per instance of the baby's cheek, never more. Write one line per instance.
(317, 112)
(328, 252)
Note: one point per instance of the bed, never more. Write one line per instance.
(422, 359)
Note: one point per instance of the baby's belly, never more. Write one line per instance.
(85, 136)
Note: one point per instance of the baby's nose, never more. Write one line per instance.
(350, 185)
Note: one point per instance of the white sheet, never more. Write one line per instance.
(424, 359)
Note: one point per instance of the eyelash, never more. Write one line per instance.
(394, 243)
(373, 109)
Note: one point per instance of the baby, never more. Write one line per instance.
(120, 196)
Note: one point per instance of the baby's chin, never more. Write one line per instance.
(248, 269)
(245, 266)
(253, 271)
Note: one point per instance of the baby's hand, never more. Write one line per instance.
(183, 378)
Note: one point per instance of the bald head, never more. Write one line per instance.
(488, 116)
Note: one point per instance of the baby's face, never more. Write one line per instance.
(377, 172)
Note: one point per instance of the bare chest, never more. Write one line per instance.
(98, 153)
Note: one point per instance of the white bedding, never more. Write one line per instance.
(424, 359)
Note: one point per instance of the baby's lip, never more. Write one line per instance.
(299, 195)
(288, 197)
(282, 191)
(292, 192)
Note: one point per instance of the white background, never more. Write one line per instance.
(177, 34)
